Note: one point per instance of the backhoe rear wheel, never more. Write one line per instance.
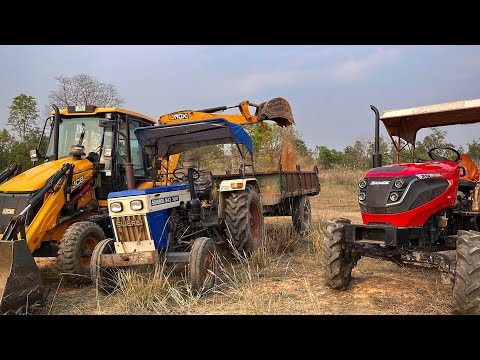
(466, 287)
(244, 218)
(75, 251)
(337, 272)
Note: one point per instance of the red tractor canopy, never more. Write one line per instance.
(405, 123)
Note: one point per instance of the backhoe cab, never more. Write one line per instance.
(58, 207)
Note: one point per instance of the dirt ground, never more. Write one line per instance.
(287, 281)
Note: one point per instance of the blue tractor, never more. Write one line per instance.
(183, 220)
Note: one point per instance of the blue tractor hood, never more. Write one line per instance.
(164, 140)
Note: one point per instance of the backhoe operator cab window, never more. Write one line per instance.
(138, 159)
(70, 131)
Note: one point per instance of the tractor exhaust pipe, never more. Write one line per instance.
(377, 156)
(56, 131)
(129, 172)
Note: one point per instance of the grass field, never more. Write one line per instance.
(284, 278)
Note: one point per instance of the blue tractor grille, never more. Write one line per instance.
(131, 228)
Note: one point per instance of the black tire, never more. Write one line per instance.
(466, 287)
(337, 272)
(75, 251)
(202, 265)
(105, 279)
(301, 215)
(244, 218)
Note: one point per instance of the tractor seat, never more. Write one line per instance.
(471, 170)
(204, 184)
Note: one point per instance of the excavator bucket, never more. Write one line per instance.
(20, 282)
(277, 110)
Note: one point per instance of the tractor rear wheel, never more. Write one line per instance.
(466, 287)
(202, 265)
(302, 215)
(244, 218)
(337, 272)
(105, 279)
(75, 251)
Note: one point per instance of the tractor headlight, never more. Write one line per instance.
(362, 196)
(362, 184)
(393, 197)
(116, 207)
(136, 205)
(398, 183)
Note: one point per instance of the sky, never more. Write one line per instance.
(330, 87)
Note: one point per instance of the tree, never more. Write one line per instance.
(328, 158)
(6, 144)
(474, 150)
(23, 115)
(435, 139)
(82, 89)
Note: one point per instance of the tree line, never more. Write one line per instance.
(269, 140)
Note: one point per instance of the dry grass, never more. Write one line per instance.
(282, 278)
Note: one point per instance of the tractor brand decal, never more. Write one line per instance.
(127, 223)
(8, 211)
(77, 182)
(383, 182)
(165, 200)
(426, 176)
(179, 116)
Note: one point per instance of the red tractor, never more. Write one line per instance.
(414, 212)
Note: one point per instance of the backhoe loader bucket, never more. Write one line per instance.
(277, 110)
(20, 281)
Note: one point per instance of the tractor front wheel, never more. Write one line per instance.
(466, 287)
(337, 271)
(105, 279)
(202, 265)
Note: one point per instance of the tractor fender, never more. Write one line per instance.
(233, 185)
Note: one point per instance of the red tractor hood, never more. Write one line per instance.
(406, 195)
(446, 169)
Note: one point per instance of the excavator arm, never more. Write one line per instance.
(277, 110)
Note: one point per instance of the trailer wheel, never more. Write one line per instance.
(466, 287)
(337, 272)
(202, 265)
(244, 218)
(75, 251)
(104, 279)
(302, 215)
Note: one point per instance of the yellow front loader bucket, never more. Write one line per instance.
(20, 282)
(278, 110)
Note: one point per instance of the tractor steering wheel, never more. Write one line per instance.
(176, 175)
(433, 156)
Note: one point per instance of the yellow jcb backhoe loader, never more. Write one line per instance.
(277, 110)
(58, 207)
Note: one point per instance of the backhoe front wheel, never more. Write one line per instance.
(244, 218)
(337, 271)
(75, 251)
